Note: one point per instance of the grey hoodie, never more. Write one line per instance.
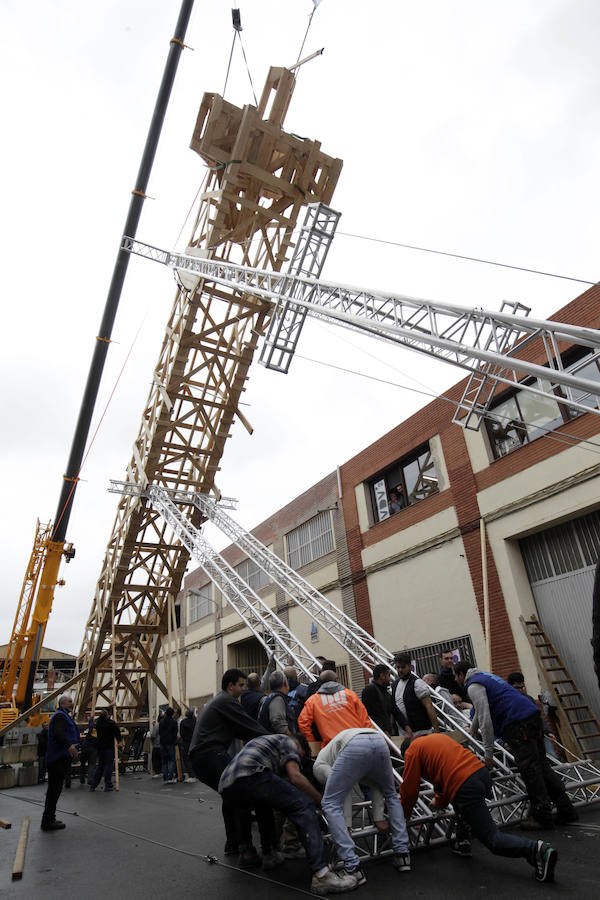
(482, 720)
(331, 687)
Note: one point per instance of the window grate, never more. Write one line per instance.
(427, 657)
(252, 575)
(310, 540)
(200, 602)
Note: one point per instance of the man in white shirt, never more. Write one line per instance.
(413, 708)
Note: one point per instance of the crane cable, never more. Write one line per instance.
(237, 32)
(100, 421)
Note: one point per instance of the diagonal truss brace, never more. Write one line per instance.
(273, 634)
(482, 342)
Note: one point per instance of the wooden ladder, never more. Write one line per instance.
(580, 729)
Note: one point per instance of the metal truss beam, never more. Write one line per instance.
(509, 800)
(495, 347)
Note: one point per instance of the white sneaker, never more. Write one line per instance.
(191, 780)
(332, 883)
(157, 776)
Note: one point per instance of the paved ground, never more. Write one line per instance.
(150, 840)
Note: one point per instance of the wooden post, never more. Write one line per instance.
(173, 620)
(114, 681)
(486, 596)
(169, 682)
(177, 657)
(17, 872)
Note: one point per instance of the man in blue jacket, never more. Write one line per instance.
(503, 711)
(63, 738)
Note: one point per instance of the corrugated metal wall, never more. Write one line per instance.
(560, 563)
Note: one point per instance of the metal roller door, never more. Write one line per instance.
(561, 563)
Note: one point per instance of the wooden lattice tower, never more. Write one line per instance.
(260, 178)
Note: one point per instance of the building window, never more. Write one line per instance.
(427, 657)
(252, 575)
(405, 482)
(200, 602)
(310, 540)
(522, 416)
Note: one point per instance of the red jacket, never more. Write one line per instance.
(332, 709)
(439, 760)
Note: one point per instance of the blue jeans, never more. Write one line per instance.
(265, 792)
(169, 765)
(104, 767)
(473, 815)
(364, 756)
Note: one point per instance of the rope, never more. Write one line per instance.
(247, 68)
(207, 857)
(310, 18)
(229, 64)
(189, 212)
(95, 434)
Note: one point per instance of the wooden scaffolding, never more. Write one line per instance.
(260, 178)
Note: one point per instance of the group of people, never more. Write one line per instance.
(62, 744)
(171, 736)
(273, 774)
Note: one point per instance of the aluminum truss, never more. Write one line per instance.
(509, 799)
(495, 347)
(309, 257)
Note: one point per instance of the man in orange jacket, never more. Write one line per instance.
(332, 709)
(460, 778)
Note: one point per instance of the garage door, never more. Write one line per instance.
(560, 563)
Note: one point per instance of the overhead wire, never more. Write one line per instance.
(461, 256)
(562, 438)
(487, 262)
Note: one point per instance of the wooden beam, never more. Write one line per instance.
(19, 864)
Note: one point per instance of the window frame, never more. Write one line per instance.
(379, 486)
(255, 579)
(530, 432)
(312, 543)
(195, 596)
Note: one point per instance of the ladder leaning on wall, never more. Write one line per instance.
(580, 728)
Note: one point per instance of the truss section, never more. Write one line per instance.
(309, 257)
(355, 640)
(509, 800)
(259, 179)
(497, 348)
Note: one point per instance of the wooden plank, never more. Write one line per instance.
(19, 864)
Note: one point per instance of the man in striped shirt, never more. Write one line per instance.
(265, 775)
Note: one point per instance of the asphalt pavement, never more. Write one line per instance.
(155, 840)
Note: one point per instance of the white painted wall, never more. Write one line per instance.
(412, 605)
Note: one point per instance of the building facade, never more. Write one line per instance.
(412, 533)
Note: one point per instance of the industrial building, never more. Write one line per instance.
(394, 537)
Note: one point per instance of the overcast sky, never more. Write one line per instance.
(464, 125)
